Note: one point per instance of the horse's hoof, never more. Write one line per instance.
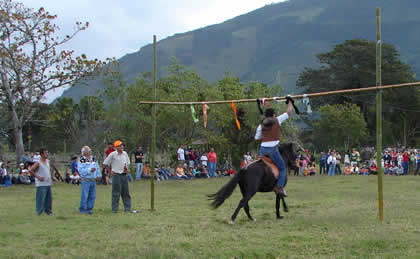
(231, 222)
(280, 217)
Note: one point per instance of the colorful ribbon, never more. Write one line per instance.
(264, 103)
(205, 107)
(193, 113)
(233, 106)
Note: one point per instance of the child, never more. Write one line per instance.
(347, 169)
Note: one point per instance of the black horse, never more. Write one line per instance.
(257, 177)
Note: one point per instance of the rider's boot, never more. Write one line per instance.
(280, 190)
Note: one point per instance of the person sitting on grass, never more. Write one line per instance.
(196, 172)
(355, 169)
(75, 178)
(179, 172)
(231, 172)
(146, 171)
(373, 168)
(311, 169)
(347, 169)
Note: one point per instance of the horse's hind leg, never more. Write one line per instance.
(241, 204)
(246, 206)
(278, 207)
(285, 208)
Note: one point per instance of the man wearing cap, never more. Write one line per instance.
(117, 163)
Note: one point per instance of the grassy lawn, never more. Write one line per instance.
(329, 217)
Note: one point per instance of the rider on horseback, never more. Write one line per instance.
(269, 134)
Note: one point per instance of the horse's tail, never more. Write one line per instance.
(219, 197)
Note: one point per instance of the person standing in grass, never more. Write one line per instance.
(89, 172)
(117, 163)
(43, 182)
(212, 160)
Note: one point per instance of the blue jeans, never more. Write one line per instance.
(43, 200)
(331, 170)
(405, 167)
(130, 178)
(87, 196)
(274, 154)
(212, 169)
(417, 168)
(139, 169)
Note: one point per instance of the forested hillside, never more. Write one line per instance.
(274, 43)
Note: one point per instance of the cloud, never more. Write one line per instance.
(120, 27)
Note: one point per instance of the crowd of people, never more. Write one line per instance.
(394, 161)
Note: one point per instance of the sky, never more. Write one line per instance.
(119, 27)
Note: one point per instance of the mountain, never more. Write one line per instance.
(274, 43)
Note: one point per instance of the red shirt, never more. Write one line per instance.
(109, 151)
(212, 157)
(406, 158)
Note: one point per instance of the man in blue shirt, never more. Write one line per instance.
(417, 161)
(322, 163)
(89, 172)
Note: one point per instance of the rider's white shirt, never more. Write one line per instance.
(258, 134)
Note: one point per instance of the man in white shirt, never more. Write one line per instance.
(117, 163)
(269, 134)
(332, 160)
(181, 154)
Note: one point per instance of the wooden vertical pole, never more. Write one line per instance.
(379, 112)
(152, 169)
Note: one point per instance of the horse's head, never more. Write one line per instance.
(287, 151)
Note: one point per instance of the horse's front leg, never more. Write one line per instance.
(278, 207)
(285, 208)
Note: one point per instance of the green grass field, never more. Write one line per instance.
(329, 217)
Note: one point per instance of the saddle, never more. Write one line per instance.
(268, 162)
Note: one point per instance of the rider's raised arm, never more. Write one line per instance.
(258, 134)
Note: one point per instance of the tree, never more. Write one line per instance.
(352, 64)
(31, 64)
(339, 125)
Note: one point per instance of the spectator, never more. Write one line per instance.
(4, 174)
(204, 159)
(25, 158)
(230, 171)
(355, 169)
(146, 171)
(347, 157)
(179, 172)
(322, 164)
(354, 157)
(417, 161)
(118, 163)
(347, 169)
(24, 177)
(109, 149)
(75, 178)
(138, 155)
(41, 171)
(338, 162)
(89, 172)
(181, 154)
(212, 159)
(405, 161)
(36, 157)
(373, 169)
(74, 165)
(311, 169)
(331, 162)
